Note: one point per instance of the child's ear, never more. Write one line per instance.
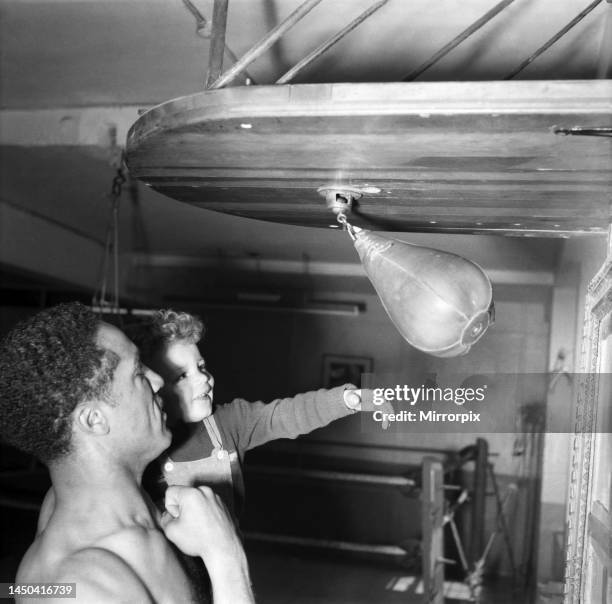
(91, 418)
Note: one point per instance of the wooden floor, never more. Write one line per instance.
(279, 578)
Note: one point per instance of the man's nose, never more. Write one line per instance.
(155, 380)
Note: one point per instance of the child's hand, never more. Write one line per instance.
(353, 400)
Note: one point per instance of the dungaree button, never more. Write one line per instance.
(168, 466)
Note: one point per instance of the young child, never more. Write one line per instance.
(209, 443)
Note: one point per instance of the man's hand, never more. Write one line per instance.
(198, 523)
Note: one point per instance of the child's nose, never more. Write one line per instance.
(206, 377)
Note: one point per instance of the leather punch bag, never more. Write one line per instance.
(441, 303)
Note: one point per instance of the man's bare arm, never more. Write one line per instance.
(198, 523)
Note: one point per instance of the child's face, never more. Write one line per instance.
(188, 388)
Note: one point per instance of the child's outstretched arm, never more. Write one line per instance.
(253, 424)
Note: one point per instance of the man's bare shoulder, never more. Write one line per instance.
(100, 575)
(132, 564)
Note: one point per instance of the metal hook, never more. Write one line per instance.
(349, 228)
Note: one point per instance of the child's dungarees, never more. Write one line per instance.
(214, 471)
(238, 427)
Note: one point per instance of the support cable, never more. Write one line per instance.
(554, 39)
(325, 46)
(203, 30)
(456, 41)
(264, 44)
(217, 41)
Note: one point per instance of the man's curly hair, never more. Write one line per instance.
(165, 326)
(49, 364)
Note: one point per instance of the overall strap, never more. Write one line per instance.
(213, 431)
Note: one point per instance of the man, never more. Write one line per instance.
(74, 393)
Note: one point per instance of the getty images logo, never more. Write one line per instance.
(430, 394)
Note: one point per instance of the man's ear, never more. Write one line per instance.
(91, 418)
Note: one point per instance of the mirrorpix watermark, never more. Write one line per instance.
(437, 402)
(443, 402)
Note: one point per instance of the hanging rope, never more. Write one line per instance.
(111, 246)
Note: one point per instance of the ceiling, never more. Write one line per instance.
(58, 53)
(70, 55)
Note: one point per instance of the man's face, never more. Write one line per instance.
(136, 420)
(188, 389)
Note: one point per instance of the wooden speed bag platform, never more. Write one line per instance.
(457, 157)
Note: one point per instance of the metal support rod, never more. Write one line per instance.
(583, 131)
(556, 37)
(432, 518)
(199, 17)
(387, 550)
(325, 46)
(456, 41)
(217, 41)
(393, 481)
(459, 546)
(503, 504)
(501, 519)
(266, 42)
(234, 59)
(479, 498)
(205, 31)
(405, 449)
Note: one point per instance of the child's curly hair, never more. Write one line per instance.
(50, 363)
(165, 326)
